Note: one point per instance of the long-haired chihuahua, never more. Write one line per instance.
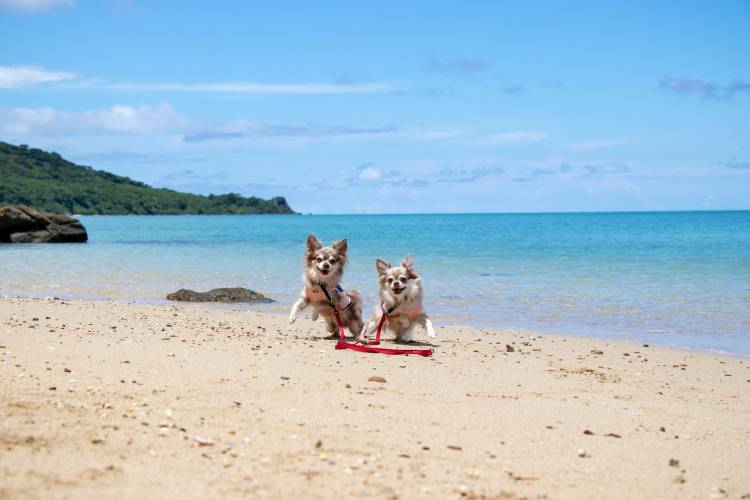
(323, 268)
(400, 300)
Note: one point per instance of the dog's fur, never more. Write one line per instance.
(401, 292)
(325, 265)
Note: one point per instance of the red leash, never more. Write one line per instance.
(343, 344)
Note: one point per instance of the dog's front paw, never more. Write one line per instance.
(292, 318)
(430, 330)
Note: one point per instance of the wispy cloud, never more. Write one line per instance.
(193, 176)
(244, 129)
(134, 158)
(472, 68)
(520, 137)
(459, 66)
(737, 165)
(247, 87)
(164, 119)
(593, 144)
(568, 170)
(117, 119)
(370, 175)
(35, 5)
(369, 172)
(26, 76)
(467, 175)
(12, 77)
(513, 90)
(705, 89)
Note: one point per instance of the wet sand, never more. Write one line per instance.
(107, 399)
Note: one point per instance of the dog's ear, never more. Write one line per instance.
(408, 261)
(313, 244)
(340, 247)
(382, 266)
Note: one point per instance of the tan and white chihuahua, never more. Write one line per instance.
(400, 300)
(323, 268)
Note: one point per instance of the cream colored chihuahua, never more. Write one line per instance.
(400, 300)
(323, 268)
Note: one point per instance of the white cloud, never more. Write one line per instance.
(249, 87)
(521, 137)
(593, 144)
(25, 123)
(117, 119)
(163, 118)
(25, 76)
(36, 5)
(369, 173)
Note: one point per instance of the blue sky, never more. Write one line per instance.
(349, 107)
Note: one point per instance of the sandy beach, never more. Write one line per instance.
(108, 399)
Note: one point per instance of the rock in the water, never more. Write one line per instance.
(22, 224)
(227, 295)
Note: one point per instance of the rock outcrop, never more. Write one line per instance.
(226, 295)
(22, 224)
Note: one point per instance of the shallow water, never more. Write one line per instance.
(678, 278)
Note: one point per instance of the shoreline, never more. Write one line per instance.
(615, 337)
(121, 399)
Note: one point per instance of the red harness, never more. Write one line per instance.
(365, 347)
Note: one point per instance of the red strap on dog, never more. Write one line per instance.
(343, 344)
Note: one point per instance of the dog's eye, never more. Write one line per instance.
(390, 280)
(319, 259)
(402, 279)
(332, 260)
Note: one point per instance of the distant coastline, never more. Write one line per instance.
(46, 181)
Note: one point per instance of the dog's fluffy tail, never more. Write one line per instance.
(356, 301)
(354, 314)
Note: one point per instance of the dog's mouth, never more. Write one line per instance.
(324, 272)
(398, 291)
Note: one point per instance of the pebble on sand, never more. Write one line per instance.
(203, 441)
(376, 378)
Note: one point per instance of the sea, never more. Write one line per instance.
(678, 279)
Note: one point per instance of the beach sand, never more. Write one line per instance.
(107, 399)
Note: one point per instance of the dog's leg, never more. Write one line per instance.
(407, 335)
(429, 328)
(356, 327)
(301, 303)
(423, 320)
(367, 330)
(331, 326)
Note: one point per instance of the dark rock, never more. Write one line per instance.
(226, 295)
(22, 224)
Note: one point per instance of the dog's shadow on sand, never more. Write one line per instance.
(419, 343)
(413, 343)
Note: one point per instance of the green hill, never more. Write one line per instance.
(48, 182)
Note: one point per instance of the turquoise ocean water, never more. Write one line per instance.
(677, 278)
